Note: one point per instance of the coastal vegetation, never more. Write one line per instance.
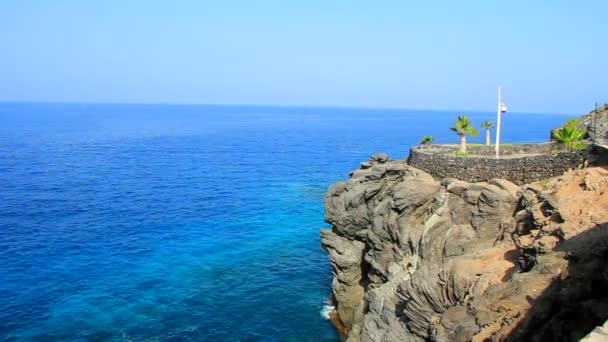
(487, 125)
(427, 140)
(569, 135)
(463, 126)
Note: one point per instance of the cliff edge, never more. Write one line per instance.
(416, 259)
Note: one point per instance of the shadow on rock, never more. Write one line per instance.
(576, 301)
(511, 256)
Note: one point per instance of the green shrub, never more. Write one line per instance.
(461, 154)
(569, 135)
(427, 140)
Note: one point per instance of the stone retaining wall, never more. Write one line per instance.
(539, 163)
(505, 150)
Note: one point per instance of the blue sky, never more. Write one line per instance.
(550, 56)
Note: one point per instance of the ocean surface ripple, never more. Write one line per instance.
(183, 223)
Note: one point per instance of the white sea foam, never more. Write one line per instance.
(327, 310)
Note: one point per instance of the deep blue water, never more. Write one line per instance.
(178, 223)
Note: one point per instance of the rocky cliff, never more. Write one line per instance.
(596, 125)
(416, 259)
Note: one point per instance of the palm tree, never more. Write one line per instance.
(487, 125)
(427, 140)
(463, 127)
(569, 135)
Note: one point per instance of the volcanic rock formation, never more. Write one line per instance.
(417, 259)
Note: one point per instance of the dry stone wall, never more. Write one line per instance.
(536, 164)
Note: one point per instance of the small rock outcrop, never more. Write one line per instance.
(417, 259)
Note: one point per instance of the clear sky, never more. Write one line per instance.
(550, 56)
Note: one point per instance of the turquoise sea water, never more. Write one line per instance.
(184, 223)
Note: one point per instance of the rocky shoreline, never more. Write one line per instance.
(418, 259)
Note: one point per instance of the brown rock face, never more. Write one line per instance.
(415, 259)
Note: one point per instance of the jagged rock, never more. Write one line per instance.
(380, 157)
(596, 125)
(347, 289)
(415, 259)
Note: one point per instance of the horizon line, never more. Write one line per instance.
(311, 106)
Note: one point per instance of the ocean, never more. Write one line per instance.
(124, 222)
